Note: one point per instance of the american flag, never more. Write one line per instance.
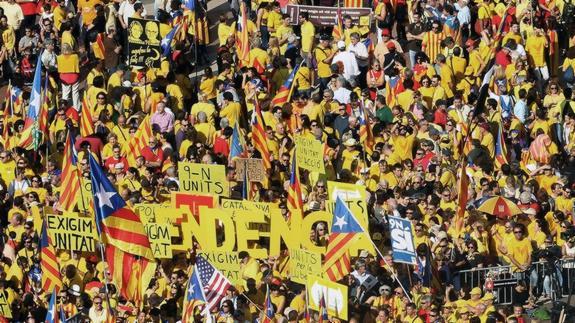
(215, 284)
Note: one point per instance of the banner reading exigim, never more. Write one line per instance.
(326, 16)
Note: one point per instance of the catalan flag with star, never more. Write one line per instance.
(51, 278)
(116, 223)
(344, 230)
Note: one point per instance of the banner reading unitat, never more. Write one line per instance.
(144, 43)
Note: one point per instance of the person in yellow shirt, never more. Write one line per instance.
(258, 58)
(323, 55)
(284, 32)
(231, 109)
(224, 30)
(307, 35)
(535, 47)
(69, 70)
(518, 249)
(207, 84)
(204, 105)
(274, 20)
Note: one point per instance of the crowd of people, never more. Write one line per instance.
(435, 107)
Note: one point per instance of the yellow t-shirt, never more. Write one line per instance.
(207, 108)
(231, 112)
(535, 47)
(520, 250)
(307, 36)
(323, 69)
(68, 63)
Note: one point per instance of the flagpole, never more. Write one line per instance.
(381, 255)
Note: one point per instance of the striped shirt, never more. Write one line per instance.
(431, 44)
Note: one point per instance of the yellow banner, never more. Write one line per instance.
(334, 294)
(309, 154)
(303, 263)
(202, 178)
(226, 262)
(70, 231)
(162, 214)
(160, 239)
(5, 307)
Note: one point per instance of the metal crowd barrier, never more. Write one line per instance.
(504, 279)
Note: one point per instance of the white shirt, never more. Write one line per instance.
(463, 14)
(350, 67)
(361, 51)
(49, 59)
(127, 11)
(341, 95)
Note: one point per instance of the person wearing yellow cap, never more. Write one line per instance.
(474, 300)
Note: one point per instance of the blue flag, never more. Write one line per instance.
(167, 41)
(52, 315)
(343, 220)
(236, 146)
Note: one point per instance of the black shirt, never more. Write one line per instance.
(415, 29)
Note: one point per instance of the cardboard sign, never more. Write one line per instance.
(203, 179)
(309, 154)
(227, 263)
(160, 239)
(70, 231)
(402, 240)
(334, 294)
(254, 168)
(5, 307)
(144, 43)
(303, 263)
(327, 16)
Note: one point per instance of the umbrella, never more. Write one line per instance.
(500, 207)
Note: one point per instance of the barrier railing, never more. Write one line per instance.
(551, 279)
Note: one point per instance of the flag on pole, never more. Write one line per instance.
(194, 297)
(52, 315)
(344, 230)
(131, 273)
(213, 282)
(167, 41)
(500, 149)
(463, 187)
(30, 135)
(242, 38)
(51, 278)
(294, 198)
(337, 32)
(259, 138)
(116, 223)
(365, 135)
(86, 121)
(245, 185)
(269, 312)
(98, 47)
(283, 94)
(70, 176)
(322, 310)
(139, 141)
(236, 149)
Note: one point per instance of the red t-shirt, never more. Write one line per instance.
(221, 146)
(111, 163)
(502, 59)
(153, 156)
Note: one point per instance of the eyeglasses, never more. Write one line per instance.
(518, 232)
(101, 98)
(98, 303)
(320, 186)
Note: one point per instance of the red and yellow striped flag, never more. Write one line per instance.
(86, 121)
(462, 198)
(132, 274)
(294, 198)
(259, 138)
(51, 278)
(98, 47)
(339, 268)
(139, 141)
(70, 177)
